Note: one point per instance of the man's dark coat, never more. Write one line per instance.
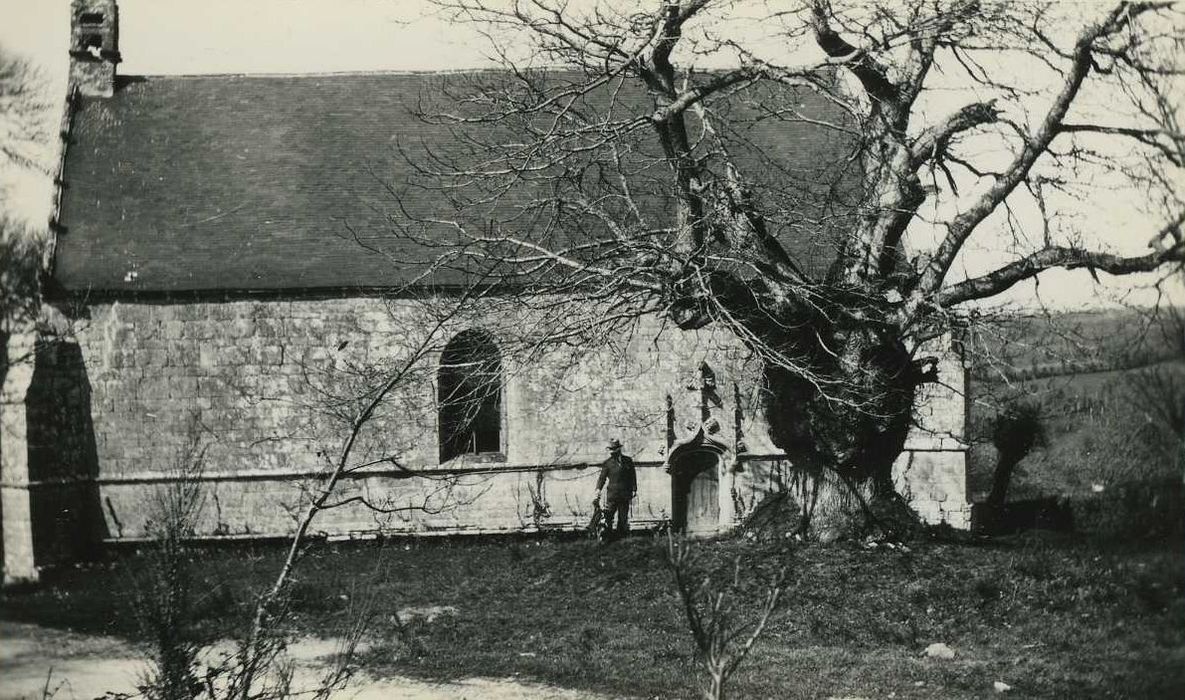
(618, 472)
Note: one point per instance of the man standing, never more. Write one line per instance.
(621, 485)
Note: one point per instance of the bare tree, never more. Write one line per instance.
(722, 640)
(20, 263)
(23, 109)
(348, 399)
(826, 208)
(23, 136)
(1157, 390)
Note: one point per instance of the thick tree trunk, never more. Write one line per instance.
(1002, 478)
(855, 425)
(840, 391)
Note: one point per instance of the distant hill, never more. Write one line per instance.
(1026, 347)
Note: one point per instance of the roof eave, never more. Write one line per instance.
(49, 256)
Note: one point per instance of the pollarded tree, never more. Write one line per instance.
(819, 178)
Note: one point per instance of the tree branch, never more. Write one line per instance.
(1064, 257)
(871, 74)
(697, 93)
(667, 35)
(1148, 137)
(960, 229)
(933, 141)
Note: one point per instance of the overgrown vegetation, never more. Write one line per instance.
(1050, 617)
(164, 601)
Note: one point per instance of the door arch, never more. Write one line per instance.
(695, 492)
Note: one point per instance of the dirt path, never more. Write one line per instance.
(36, 662)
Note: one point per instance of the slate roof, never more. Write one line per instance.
(254, 182)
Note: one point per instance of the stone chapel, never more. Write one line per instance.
(202, 289)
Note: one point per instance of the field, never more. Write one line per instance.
(1100, 430)
(1049, 617)
(1108, 388)
(1018, 347)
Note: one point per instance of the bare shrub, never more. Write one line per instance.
(163, 599)
(723, 638)
(24, 132)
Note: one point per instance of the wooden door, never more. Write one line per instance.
(695, 494)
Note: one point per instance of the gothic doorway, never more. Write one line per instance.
(695, 492)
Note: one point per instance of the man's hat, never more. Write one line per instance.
(614, 444)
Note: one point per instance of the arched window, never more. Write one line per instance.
(470, 396)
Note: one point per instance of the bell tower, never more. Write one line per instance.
(94, 46)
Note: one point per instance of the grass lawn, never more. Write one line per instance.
(1050, 617)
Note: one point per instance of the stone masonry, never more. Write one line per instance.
(265, 389)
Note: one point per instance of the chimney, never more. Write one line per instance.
(94, 46)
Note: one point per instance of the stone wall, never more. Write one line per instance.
(932, 472)
(267, 388)
(19, 562)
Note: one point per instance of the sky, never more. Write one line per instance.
(316, 36)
